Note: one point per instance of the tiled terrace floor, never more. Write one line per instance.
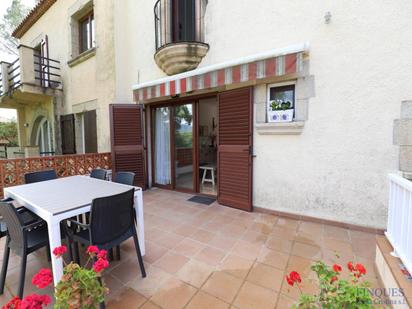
(201, 256)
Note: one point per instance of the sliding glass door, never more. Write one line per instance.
(183, 146)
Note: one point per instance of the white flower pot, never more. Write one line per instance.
(280, 116)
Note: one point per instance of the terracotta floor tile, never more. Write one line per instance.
(311, 238)
(127, 271)
(285, 302)
(338, 246)
(171, 262)
(307, 251)
(311, 228)
(222, 286)
(221, 242)
(232, 230)
(246, 249)
(267, 218)
(188, 247)
(300, 264)
(252, 296)
(279, 244)
(336, 232)
(149, 305)
(273, 258)
(266, 276)
(203, 300)
(149, 285)
(284, 233)
(202, 236)
(129, 298)
(254, 237)
(185, 230)
(154, 233)
(288, 223)
(236, 266)
(261, 227)
(195, 273)
(174, 294)
(211, 256)
(169, 240)
(153, 252)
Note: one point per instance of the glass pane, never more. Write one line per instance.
(162, 146)
(84, 29)
(93, 33)
(184, 146)
(283, 94)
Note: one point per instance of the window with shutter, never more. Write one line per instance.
(68, 135)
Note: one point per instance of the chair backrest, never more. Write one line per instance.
(111, 217)
(126, 178)
(40, 176)
(98, 173)
(14, 224)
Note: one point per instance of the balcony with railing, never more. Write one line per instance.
(179, 35)
(30, 72)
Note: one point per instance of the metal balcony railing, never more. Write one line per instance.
(178, 21)
(47, 71)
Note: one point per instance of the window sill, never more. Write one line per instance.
(280, 128)
(82, 57)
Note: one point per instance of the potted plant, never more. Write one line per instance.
(79, 288)
(335, 292)
(280, 111)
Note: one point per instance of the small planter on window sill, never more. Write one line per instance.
(280, 111)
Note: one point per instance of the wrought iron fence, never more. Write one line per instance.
(47, 71)
(12, 171)
(14, 76)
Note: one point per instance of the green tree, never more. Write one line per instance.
(8, 131)
(10, 20)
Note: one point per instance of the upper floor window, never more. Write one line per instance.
(86, 32)
(183, 20)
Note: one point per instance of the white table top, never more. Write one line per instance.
(64, 194)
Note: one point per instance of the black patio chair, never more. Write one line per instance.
(40, 176)
(125, 178)
(22, 238)
(111, 223)
(98, 173)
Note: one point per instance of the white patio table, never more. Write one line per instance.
(63, 198)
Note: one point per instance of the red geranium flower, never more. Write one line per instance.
(351, 267)
(35, 301)
(43, 278)
(333, 279)
(293, 278)
(361, 269)
(337, 268)
(100, 265)
(102, 254)
(59, 251)
(92, 250)
(14, 303)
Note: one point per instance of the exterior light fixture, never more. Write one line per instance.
(328, 17)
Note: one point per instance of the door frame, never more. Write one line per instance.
(172, 103)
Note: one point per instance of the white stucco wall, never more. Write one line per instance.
(336, 169)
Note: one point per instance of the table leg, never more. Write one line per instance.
(138, 200)
(55, 241)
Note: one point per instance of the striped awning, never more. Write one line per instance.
(273, 63)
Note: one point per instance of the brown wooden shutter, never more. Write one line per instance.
(90, 132)
(235, 149)
(68, 134)
(127, 138)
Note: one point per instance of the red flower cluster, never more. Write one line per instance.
(101, 263)
(337, 268)
(35, 301)
(92, 250)
(32, 301)
(14, 303)
(358, 270)
(59, 251)
(293, 278)
(43, 278)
